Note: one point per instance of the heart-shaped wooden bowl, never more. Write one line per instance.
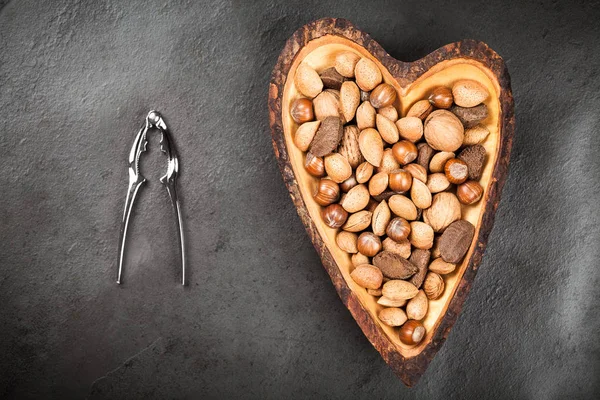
(316, 44)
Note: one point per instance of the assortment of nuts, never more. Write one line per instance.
(393, 185)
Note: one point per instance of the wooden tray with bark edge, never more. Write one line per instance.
(317, 43)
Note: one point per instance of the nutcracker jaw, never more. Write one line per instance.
(136, 180)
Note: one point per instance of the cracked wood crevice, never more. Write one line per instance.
(123, 364)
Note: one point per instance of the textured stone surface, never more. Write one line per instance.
(260, 318)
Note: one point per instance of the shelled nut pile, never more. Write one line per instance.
(393, 185)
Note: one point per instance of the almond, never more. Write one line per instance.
(410, 128)
(374, 292)
(327, 104)
(403, 207)
(349, 99)
(381, 218)
(378, 183)
(384, 301)
(347, 241)
(393, 316)
(365, 116)
(367, 74)
(398, 290)
(438, 161)
(345, 62)
(359, 259)
(420, 194)
(475, 135)
(387, 129)
(439, 266)
(389, 112)
(416, 308)
(364, 171)
(337, 167)
(356, 199)
(305, 134)
(367, 276)
(421, 235)
(371, 146)
(307, 81)
(469, 93)
(388, 162)
(417, 171)
(358, 221)
(421, 109)
(437, 182)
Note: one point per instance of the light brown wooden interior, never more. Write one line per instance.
(320, 54)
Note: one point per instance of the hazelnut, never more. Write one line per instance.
(441, 97)
(302, 110)
(314, 165)
(412, 332)
(398, 229)
(404, 152)
(400, 180)
(348, 184)
(469, 192)
(327, 192)
(334, 216)
(383, 95)
(364, 96)
(369, 244)
(456, 171)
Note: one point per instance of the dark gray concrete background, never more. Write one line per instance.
(260, 318)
